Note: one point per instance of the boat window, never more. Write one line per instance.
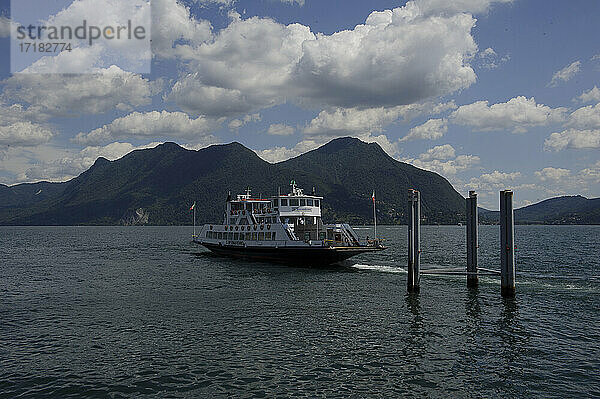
(261, 236)
(268, 236)
(310, 202)
(317, 203)
(284, 202)
(248, 236)
(254, 236)
(302, 202)
(293, 201)
(236, 236)
(230, 236)
(273, 236)
(220, 235)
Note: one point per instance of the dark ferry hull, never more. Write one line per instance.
(306, 256)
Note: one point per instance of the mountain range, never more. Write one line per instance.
(160, 184)
(561, 210)
(157, 186)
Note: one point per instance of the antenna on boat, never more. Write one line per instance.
(293, 184)
(229, 196)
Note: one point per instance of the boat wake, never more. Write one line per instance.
(379, 268)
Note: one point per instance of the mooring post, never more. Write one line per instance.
(472, 239)
(414, 243)
(507, 243)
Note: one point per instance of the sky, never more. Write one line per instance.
(491, 94)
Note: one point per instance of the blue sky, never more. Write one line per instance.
(490, 94)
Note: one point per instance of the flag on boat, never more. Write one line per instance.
(373, 197)
(193, 206)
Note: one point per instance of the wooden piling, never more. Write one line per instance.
(414, 243)
(507, 244)
(472, 239)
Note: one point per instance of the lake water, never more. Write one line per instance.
(141, 312)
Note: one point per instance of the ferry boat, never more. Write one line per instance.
(284, 229)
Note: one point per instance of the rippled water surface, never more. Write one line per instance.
(141, 312)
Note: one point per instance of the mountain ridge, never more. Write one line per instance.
(574, 209)
(161, 183)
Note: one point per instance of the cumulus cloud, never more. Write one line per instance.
(293, 2)
(442, 159)
(591, 174)
(565, 74)
(245, 68)
(564, 180)
(257, 63)
(79, 60)
(131, 55)
(72, 163)
(552, 174)
(20, 128)
(574, 139)
(69, 95)
(583, 131)
(457, 6)
(440, 152)
(494, 181)
(14, 113)
(52, 163)
(280, 129)
(489, 59)
(585, 118)
(382, 63)
(517, 114)
(337, 122)
(238, 123)
(591, 95)
(343, 121)
(153, 124)
(278, 154)
(224, 3)
(24, 134)
(175, 32)
(430, 130)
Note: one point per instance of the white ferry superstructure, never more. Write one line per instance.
(283, 228)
